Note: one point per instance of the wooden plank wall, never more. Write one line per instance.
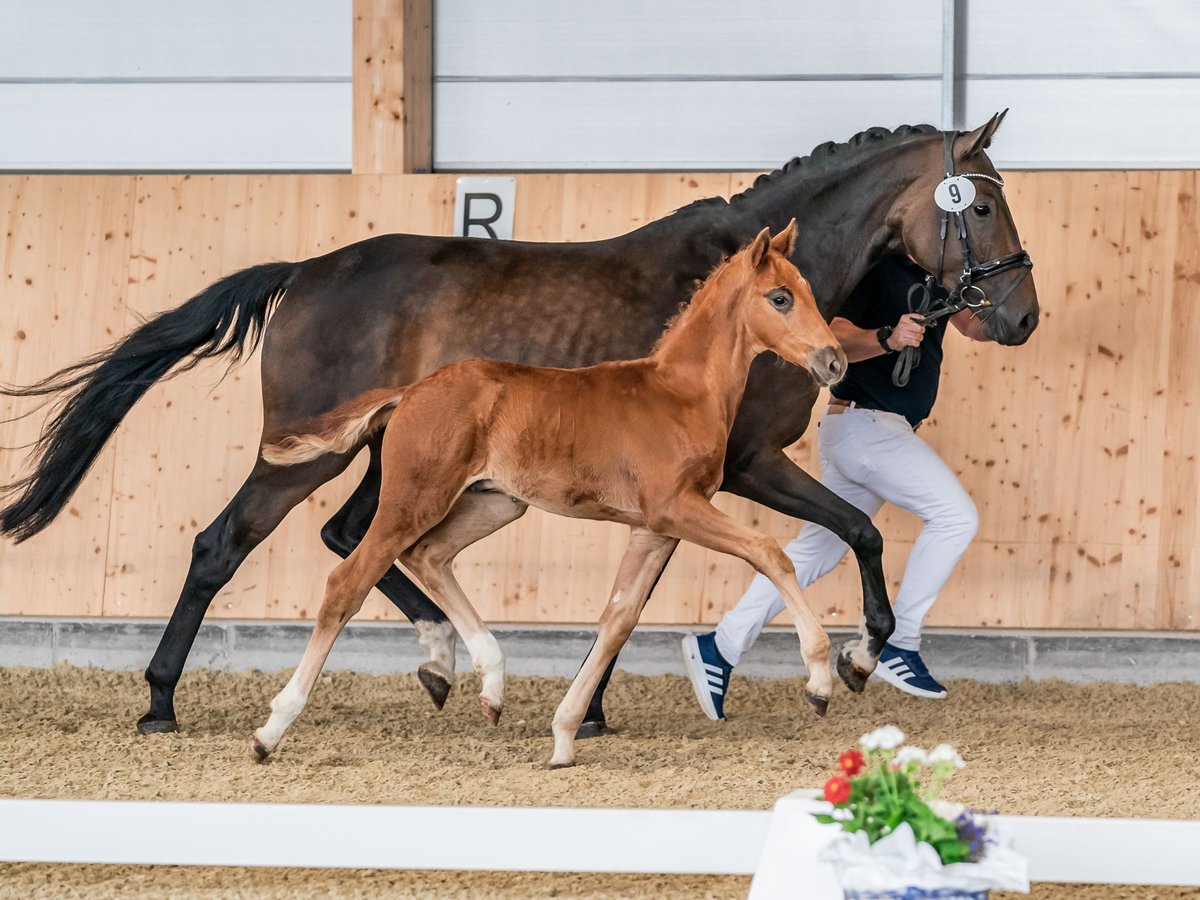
(1079, 448)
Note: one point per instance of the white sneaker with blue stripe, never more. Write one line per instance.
(906, 670)
(708, 671)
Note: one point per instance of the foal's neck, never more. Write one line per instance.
(706, 354)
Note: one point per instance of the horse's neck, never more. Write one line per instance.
(842, 217)
(706, 355)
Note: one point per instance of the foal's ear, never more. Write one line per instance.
(759, 249)
(785, 242)
(981, 138)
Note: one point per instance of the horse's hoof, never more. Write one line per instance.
(562, 765)
(852, 675)
(492, 712)
(819, 703)
(150, 724)
(590, 730)
(258, 750)
(435, 683)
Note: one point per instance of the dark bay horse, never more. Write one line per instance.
(544, 437)
(386, 311)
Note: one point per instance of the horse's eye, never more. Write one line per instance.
(781, 299)
(982, 210)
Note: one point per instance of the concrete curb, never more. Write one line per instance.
(385, 647)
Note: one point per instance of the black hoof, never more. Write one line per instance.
(258, 750)
(151, 724)
(590, 730)
(851, 673)
(554, 767)
(819, 703)
(436, 684)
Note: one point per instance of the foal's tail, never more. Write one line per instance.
(94, 394)
(339, 431)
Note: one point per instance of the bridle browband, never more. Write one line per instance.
(967, 294)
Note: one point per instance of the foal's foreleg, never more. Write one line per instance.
(693, 518)
(770, 478)
(473, 517)
(640, 567)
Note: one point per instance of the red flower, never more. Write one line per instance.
(851, 762)
(837, 790)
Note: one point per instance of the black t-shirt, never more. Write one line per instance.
(881, 298)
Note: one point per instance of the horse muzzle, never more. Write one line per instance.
(827, 365)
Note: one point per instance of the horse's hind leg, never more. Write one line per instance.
(342, 534)
(260, 504)
(475, 515)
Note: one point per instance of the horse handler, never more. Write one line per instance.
(870, 455)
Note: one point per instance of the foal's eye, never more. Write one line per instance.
(982, 210)
(781, 299)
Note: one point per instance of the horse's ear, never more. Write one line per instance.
(785, 242)
(760, 247)
(981, 138)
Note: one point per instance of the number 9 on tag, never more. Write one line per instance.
(954, 194)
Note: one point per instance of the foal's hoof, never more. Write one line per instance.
(492, 712)
(819, 703)
(258, 750)
(851, 673)
(150, 724)
(435, 683)
(591, 729)
(555, 766)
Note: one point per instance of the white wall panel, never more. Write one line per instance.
(628, 38)
(661, 125)
(212, 39)
(1091, 124)
(175, 126)
(1021, 37)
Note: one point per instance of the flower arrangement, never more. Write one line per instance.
(899, 832)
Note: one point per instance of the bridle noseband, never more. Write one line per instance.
(967, 294)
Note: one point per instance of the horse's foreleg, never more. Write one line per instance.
(594, 723)
(473, 517)
(640, 567)
(775, 481)
(260, 504)
(342, 534)
(693, 518)
(345, 591)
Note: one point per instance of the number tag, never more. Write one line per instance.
(954, 194)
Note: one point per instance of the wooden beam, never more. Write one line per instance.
(393, 86)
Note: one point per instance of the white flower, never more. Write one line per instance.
(946, 810)
(889, 737)
(906, 755)
(944, 753)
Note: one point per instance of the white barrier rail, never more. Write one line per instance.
(663, 841)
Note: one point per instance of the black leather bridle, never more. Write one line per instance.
(967, 294)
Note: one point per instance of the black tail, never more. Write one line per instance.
(96, 393)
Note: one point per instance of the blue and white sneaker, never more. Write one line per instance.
(906, 670)
(709, 672)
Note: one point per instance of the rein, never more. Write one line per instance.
(967, 294)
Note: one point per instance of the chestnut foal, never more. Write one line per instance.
(640, 442)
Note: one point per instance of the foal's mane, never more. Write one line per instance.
(685, 306)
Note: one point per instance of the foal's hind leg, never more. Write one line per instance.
(693, 518)
(342, 534)
(475, 515)
(260, 504)
(644, 559)
(345, 591)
